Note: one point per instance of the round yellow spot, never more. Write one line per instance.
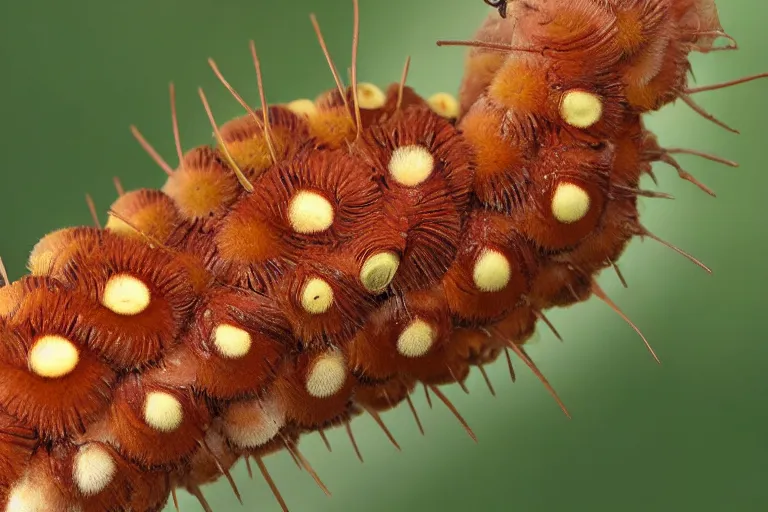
(581, 109)
(317, 296)
(369, 96)
(310, 212)
(327, 376)
(53, 356)
(444, 104)
(125, 294)
(379, 270)
(492, 271)
(162, 411)
(231, 342)
(570, 203)
(93, 469)
(411, 165)
(303, 107)
(416, 339)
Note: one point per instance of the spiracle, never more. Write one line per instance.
(324, 259)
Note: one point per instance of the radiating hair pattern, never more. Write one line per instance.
(326, 258)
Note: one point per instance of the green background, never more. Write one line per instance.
(689, 434)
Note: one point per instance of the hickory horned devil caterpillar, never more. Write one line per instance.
(326, 257)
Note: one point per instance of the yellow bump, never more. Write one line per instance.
(162, 411)
(444, 104)
(327, 376)
(53, 356)
(411, 165)
(231, 342)
(317, 296)
(416, 339)
(369, 96)
(93, 469)
(379, 270)
(125, 295)
(492, 271)
(303, 107)
(310, 212)
(570, 203)
(581, 109)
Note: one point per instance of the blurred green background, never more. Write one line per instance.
(689, 434)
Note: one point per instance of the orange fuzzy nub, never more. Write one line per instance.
(153, 424)
(579, 31)
(238, 341)
(245, 140)
(566, 191)
(521, 87)
(147, 212)
(322, 297)
(426, 168)
(51, 381)
(141, 299)
(666, 84)
(402, 336)
(315, 388)
(95, 477)
(332, 127)
(11, 295)
(492, 270)
(203, 186)
(55, 249)
(500, 156)
(319, 197)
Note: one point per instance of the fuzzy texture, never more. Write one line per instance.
(430, 246)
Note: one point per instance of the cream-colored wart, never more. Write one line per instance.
(163, 411)
(125, 294)
(444, 104)
(302, 107)
(310, 212)
(253, 423)
(231, 342)
(379, 270)
(93, 469)
(317, 296)
(327, 375)
(492, 271)
(53, 356)
(416, 339)
(570, 203)
(581, 109)
(411, 165)
(35, 493)
(370, 97)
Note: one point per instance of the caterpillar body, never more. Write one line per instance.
(327, 257)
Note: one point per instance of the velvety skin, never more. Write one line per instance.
(306, 270)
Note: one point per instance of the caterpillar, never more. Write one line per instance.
(326, 256)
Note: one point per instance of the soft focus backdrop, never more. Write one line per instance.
(689, 434)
